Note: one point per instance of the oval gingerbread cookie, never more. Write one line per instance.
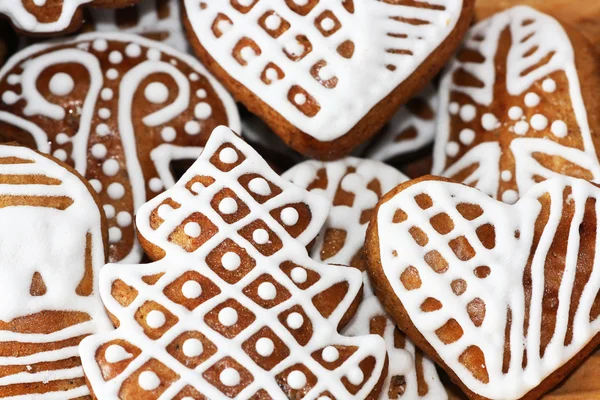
(52, 245)
(519, 105)
(235, 307)
(325, 76)
(354, 186)
(121, 109)
(51, 17)
(506, 298)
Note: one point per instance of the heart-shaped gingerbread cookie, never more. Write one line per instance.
(504, 297)
(325, 76)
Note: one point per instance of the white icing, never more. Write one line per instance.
(115, 57)
(191, 289)
(330, 354)
(532, 100)
(299, 275)
(260, 236)
(467, 136)
(228, 316)
(202, 111)
(230, 377)
(228, 206)
(110, 167)
(296, 380)
(363, 80)
(260, 186)
(114, 234)
(503, 289)
(192, 229)
(156, 184)
(267, 291)
(539, 122)
(155, 319)
(109, 211)
(295, 320)
(231, 261)
(468, 113)
(192, 128)
(156, 92)
(60, 154)
(124, 219)
(61, 84)
(559, 129)
(549, 85)
(148, 380)
(115, 353)
(515, 113)
(99, 151)
(192, 347)
(168, 134)
(116, 191)
(228, 155)
(289, 216)
(265, 347)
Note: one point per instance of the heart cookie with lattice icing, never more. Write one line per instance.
(354, 186)
(52, 245)
(52, 17)
(325, 76)
(234, 307)
(125, 111)
(519, 105)
(504, 297)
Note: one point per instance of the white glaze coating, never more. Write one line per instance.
(25, 21)
(52, 242)
(501, 289)
(117, 128)
(526, 137)
(178, 261)
(348, 218)
(362, 80)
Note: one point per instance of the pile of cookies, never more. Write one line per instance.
(298, 199)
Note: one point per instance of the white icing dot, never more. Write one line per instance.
(156, 92)
(115, 57)
(168, 133)
(61, 84)
(229, 377)
(153, 55)
(192, 128)
(192, 347)
(191, 289)
(114, 235)
(355, 376)
(115, 353)
(295, 320)
(228, 155)
(155, 319)
(468, 112)
(300, 99)
(549, 85)
(9, 97)
(452, 149)
(271, 74)
(102, 130)
(202, 110)
(489, 122)
(330, 354)
(104, 113)
(267, 291)
(539, 122)
(201, 93)
(116, 191)
(231, 261)
(510, 197)
(155, 184)
(228, 316)
(96, 184)
(13, 79)
(164, 210)
(559, 129)
(515, 113)
(299, 275)
(259, 186)
(453, 108)
(109, 210)
(112, 74)
(296, 380)
(194, 77)
(133, 50)
(327, 24)
(506, 175)
(265, 347)
(106, 94)
(124, 219)
(100, 45)
(62, 138)
(273, 22)
(532, 100)
(260, 236)
(197, 187)
(110, 167)
(228, 205)
(148, 380)
(521, 128)
(289, 216)
(60, 154)
(192, 229)
(467, 136)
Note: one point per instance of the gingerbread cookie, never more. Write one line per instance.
(158, 20)
(51, 17)
(52, 245)
(518, 105)
(504, 297)
(235, 308)
(411, 129)
(123, 110)
(325, 76)
(354, 186)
